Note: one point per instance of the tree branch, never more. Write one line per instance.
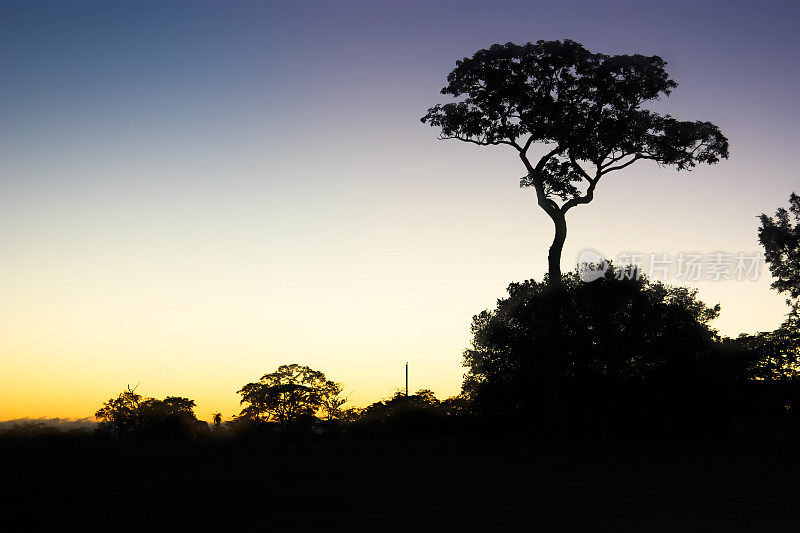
(637, 156)
(585, 199)
(579, 168)
(478, 142)
(549, 206)
(528, 144)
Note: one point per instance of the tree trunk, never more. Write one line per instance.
(554, 357)
(554, 255)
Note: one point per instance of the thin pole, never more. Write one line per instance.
(406, 379)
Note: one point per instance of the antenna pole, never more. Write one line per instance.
(406, 379)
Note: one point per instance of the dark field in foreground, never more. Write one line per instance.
(410, 484)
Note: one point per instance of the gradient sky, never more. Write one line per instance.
(192, 193)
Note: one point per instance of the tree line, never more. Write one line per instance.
(294, 398)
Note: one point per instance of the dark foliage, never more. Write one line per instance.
(589, 104)
(293, 394)
(625, 344)
(420, 411)
(778, 351)
(780, 237)
(129, 415)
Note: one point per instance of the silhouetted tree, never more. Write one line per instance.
(619, 327)
(585, 107)
(424, 397)
(216, 419)
(121, 414)
(290, 393)
(331, 399)
(780, 237)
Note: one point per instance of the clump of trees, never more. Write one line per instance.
(619, 327)
(628, 349)
(129, 414)
(298, 397)
(401, 412)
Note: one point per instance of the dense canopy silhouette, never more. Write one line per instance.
(619, 328)
(291, 393)
(131, 414)
(780, 237)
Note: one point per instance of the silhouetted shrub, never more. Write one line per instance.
(625, 348)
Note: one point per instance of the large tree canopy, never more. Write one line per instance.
(290, 393)
(586, 107)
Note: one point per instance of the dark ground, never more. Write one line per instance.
(406, 483)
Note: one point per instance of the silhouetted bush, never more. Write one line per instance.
(416, 413)
(628, 356)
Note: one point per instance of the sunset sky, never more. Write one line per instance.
(193, 193)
